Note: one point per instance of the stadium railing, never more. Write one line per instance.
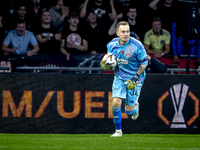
(90, 69)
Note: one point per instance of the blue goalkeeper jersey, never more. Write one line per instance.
(129, 58)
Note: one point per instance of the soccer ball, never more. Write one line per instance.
(109, 59)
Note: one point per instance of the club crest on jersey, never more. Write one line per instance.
(122, 52)
(129, 51)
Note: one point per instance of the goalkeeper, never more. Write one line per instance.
(129, 74)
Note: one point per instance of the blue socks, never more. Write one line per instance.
(117, 118)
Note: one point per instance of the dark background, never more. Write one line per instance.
(51, 122)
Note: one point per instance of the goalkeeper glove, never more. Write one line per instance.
(104, 66)
(130, 84)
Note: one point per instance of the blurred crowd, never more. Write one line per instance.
(80, 29)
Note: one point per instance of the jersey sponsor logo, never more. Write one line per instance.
(122, 61)
(180, 95)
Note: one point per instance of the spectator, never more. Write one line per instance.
(74, 41)
(59, 13)
(8, 7)
(180, 45)
(20, 40)
(101, 8)
(97, 34)
(47, 37)
(35, 12)
(137, 26)
(122, 6)
(157, 40)
(3, 31)
(76, 5)
(20, 13)
(165, 9)
(35, 7)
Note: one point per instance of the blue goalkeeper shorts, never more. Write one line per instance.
(119, 90)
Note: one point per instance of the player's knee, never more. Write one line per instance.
(116, 102)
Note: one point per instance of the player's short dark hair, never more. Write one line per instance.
(121, 23)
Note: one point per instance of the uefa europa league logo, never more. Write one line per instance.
(178, 94)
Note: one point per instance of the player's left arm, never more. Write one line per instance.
(141, 69)
(142, 57)
(130, 84)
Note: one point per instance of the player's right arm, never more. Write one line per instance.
(142, 57)
(109, 50)
(104, 66)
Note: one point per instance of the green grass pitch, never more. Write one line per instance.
(99, 142)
